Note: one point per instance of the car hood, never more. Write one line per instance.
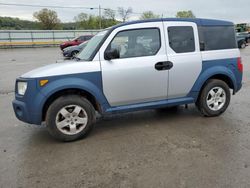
(64, 68)
(71, 48)
(66, 42)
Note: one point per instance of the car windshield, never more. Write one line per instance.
(92, 45)
(76, 38)
(83, 44)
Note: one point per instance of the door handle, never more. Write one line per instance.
(164, 65)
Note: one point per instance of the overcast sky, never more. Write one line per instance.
(237, 11)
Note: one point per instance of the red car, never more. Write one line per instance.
(76, 41)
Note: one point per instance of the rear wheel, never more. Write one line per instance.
(70, 118)
(214, 98)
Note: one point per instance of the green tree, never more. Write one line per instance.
(148, 15)
(185, 14)
(81, 17)
(125, 13)
(48, 19)
(85, 21)
(16, 24)
(109, 18)
(81, 20)
(93, 22)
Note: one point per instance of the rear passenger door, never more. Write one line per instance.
(183, 50)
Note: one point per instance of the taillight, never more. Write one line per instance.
(239, 65)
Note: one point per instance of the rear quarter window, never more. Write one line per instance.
(217, 37)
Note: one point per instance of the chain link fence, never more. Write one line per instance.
(36, 38)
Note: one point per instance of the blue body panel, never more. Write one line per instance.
(151, 105)
(210, 70)
(90, 82)
(226, 67)
(32, 103)
(198, 21)
(27, 107)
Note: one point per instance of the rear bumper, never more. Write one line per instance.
(239, 86)
(23, 114)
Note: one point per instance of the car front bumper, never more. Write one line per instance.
(23, 114)
(66, 54)
(28, 107)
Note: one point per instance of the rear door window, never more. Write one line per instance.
(181, 39)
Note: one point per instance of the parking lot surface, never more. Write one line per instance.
(167, 148)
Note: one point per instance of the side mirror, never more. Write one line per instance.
(111, 54)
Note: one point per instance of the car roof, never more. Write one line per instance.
(198, 21)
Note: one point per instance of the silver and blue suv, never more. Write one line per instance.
(134, 66)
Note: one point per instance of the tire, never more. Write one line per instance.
(243, 45)
(74, 53)
(214, 98)
(70, 118)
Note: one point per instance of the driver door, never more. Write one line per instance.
(138, 75)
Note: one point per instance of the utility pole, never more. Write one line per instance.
(100, 17)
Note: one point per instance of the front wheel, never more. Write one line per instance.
(74, 53)
(214, 98)
(243, 45)
(70, 117)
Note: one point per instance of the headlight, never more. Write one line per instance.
(21, 87)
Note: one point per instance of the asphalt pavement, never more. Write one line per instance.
(173, 148)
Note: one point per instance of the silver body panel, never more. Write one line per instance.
(186, 66)
(134, 80)
(64, 68)
(220, 54)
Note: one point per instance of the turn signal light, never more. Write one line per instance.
(43, 82)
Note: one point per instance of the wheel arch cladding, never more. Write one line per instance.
(90, 88)
(70, 91)
(217, 72)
